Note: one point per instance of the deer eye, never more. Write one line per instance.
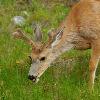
(42, 58)
(30, 59)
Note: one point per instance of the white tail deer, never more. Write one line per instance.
(79, 30)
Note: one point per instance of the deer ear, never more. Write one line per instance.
(57, 38)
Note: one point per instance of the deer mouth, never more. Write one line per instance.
(35, 79)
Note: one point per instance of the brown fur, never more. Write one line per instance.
(82, 31)
(84, 21)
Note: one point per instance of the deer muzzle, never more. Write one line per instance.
(35, 79)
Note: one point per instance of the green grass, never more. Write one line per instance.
(62, 81)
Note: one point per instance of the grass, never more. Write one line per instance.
(64, 80)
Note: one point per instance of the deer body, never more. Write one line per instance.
(80, 30)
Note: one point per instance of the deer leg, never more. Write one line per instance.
(93, 64)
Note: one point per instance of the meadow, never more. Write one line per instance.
(66, 79)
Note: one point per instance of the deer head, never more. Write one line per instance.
(42, 54)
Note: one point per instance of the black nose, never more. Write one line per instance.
(33, 78)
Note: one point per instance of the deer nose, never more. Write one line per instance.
(33, 78)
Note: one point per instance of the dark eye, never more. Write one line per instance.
(42, 58)
(30, 59)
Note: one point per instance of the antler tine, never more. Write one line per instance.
(38, 33)
(20, 35)
(51, 32)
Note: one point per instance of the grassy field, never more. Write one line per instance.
(67, 77)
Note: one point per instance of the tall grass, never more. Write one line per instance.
(61, 81)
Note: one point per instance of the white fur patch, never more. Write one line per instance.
(56, 42)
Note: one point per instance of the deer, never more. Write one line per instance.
(79, 30)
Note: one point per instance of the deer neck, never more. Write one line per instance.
(64, 46)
